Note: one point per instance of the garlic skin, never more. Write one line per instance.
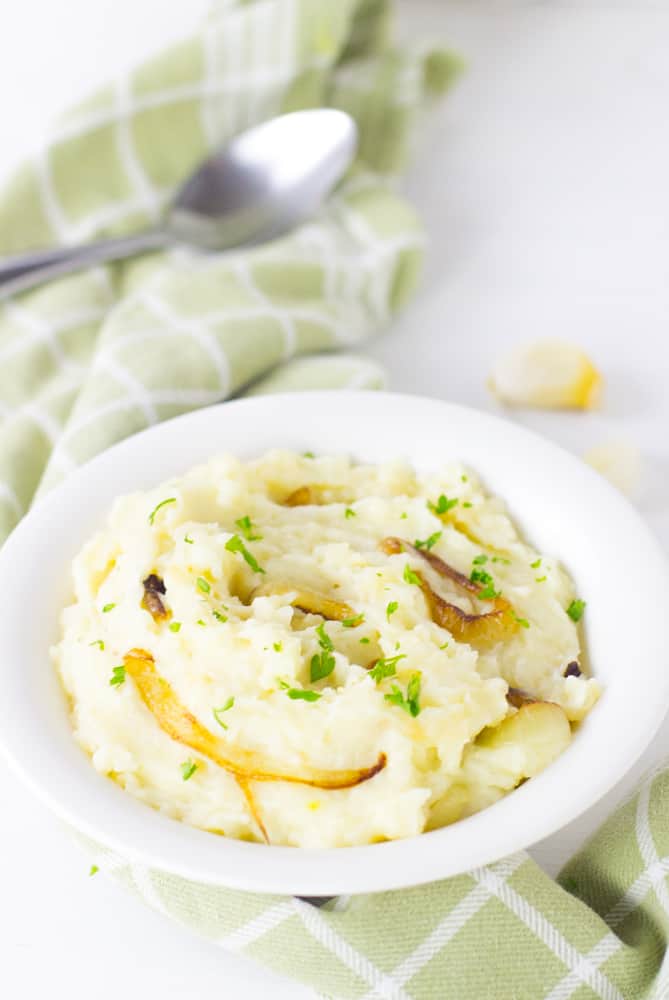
(547, 374)
(618, 461)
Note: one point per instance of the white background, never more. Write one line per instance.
(544, 183)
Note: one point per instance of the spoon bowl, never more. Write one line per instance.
(265, 181)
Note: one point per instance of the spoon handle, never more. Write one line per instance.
(27, 270)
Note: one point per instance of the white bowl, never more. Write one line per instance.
(562, 506)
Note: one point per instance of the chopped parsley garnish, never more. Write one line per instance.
(118, 676)
(403, 516)
(576, 609)
(219, 616)
(488, 593)
(501, 559)
(408, 702)
(235, 544)
(218, 712)
(540, 579)
(364, 640)
(467, 504)
(246, 526)
(430, 542)
(308, 454)
(521, 621)
(480, 560)
(323, 663)
(203, 585)
(410, 576)
(463, 478)
(353, 622)
(443, 505)
(481, 576)
(536, 564)
(349, 513)
(201, 621)
(277, 647)
(444, 645)
(188, 769)
(108, 607)
(385, 667)
(391, 609)
(188, 540)
(174, 626)
(93, 870)
(298, 694)
(163, 503)
(99, 643)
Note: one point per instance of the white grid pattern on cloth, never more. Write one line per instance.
(588, 973)
(449, 926)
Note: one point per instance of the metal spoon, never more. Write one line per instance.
(260, 185)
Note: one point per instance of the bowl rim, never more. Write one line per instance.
(532, 812)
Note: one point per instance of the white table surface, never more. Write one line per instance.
(544, 183)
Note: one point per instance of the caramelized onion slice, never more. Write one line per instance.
(303, 496)
(181, 725)
(518, 697)
(309, 601)
(478, 630)
(154, 588)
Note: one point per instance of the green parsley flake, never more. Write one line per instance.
(444, 645)
(188, 540)
(246, 526)
(442, 506)
(277, 647)
(391, 609)
(118, 676)
(298, 694)
(409, 702)
(201, 621)
(235, 544)
(385, 667)
(463, 478)
(99, 643)
(403, 516)
(163, 503)
(174, 626)
(467, 504)
(481, 576)
(521, 621)
(480, 560)
(218, 616)
(188, 769)
(218, 712)
(308, 454)
(364, 641)
(353, 622)
(576, 609)
(488, 593)
(540, 579)
(323, 663)
(501, 559)
(203, 585)
(349, 513)
(93, 870)
(536, 564)
(410, 576)
(430, 542)
(107, 608)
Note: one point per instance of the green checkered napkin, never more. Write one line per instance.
(92, 358)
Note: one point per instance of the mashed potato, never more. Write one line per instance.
(318, 653)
